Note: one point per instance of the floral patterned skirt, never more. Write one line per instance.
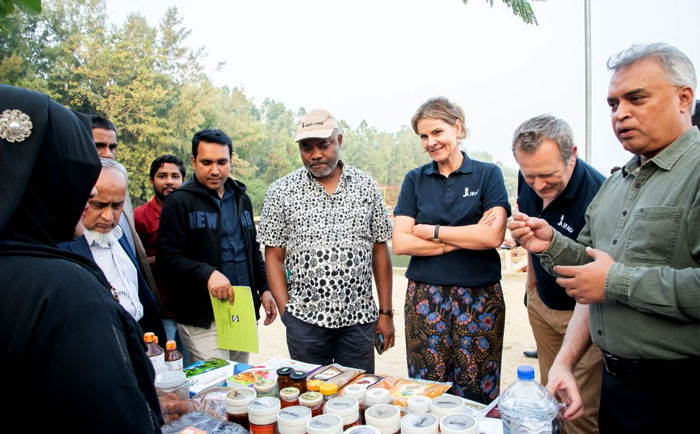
(456, 334)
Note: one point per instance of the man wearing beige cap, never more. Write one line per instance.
(326, 224)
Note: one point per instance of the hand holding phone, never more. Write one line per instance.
(379, 343)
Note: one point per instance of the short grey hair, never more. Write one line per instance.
(109, 163)
(678, 67)
(530, 134)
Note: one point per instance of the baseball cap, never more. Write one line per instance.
(316, 124)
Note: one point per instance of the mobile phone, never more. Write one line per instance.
(379, 342)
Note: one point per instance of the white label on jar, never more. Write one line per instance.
(158, 361)
(175, 365)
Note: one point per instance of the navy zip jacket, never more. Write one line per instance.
(189, 248)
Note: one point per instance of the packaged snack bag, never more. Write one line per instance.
(408, 387)
(336, 374)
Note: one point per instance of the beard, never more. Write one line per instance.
(102, 238)
(321, 173)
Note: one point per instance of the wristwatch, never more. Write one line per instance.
(389, 312)
(436, 237)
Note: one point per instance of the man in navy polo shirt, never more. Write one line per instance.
(556, 186)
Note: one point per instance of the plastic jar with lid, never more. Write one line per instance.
(236, 403)
(173, 391)
(329, 391)
(385, 417)
(313, 385)
(362, 429)
(459, 423)
(289, 396)
(445, 405)
(283, 377)
(262, 415)
(298, 380)
(377, 396)
(292, 420)
(357, 392)
(347, 408)
(325, 424)
(419, 423)
(265, 388)
(312, 400)
(418, 404)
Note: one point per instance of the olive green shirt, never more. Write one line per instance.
(647, 217)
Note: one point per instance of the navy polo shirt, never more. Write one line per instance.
(567, 214)
(458, 200)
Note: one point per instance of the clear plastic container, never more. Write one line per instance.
(293, 420)
(236, 404)
(347, 408)
(173, 391)
(385, 417)
(527, 407)
(265, 388)
(445, 405)
(325, 424)
(419, 423)
(289, 396)
(459, 424)
(357, 392)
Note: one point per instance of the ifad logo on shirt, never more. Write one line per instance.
(468, 193)
(564, 225)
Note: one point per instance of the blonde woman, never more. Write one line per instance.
(450, 217)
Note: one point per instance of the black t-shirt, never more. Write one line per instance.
(566, 214)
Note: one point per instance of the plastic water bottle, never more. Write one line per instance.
(527, 407)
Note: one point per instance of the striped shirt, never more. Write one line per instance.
(118, 268)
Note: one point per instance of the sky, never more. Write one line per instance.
(378, 60)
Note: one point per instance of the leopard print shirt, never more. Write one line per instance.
(328, 240)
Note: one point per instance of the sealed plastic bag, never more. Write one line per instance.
(336, 374)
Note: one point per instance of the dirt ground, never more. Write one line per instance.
(518, 335)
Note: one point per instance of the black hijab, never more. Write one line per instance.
(48, 175)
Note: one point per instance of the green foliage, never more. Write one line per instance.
(151, 85)
(521, 8)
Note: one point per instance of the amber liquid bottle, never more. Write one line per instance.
(154, 351)
(173, 358)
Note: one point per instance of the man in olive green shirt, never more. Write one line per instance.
(635, 267)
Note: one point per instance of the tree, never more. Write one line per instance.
(521, 8)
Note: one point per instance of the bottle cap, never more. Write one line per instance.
(419, 423)
(265, 385)
(263, 411)
(294, 416)
(362, 429)
(289, 393)
(328, 389)
(298, 375)
(355, 391)
(170, 379)
(284, 371)
(325, 424)
(418, 404)
(313, 385)
(384, 417)
(526, 372)
(447, 404)
(310, 399)
(377, 396)
(236, 401)
(171, 345)
(149, 337)
(459, 424)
